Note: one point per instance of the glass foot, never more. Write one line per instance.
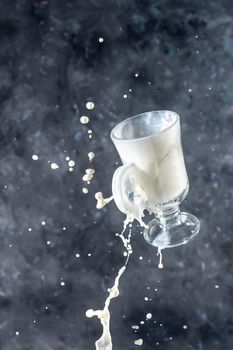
(169, 236)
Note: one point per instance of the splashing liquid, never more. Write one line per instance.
(89, 175)
(91, 155)
(160, 266)
(105, 341)
(101, 201)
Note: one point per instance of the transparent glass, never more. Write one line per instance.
(151, 142)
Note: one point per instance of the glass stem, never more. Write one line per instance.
(169, 216)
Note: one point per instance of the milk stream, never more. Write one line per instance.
(105, 341)
(160, 266)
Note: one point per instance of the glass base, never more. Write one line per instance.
(169, 236)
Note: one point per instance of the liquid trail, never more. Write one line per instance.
(105, 341)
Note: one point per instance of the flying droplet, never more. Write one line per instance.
(54, 166)
(91, 155)
(138, 342)
(90, 105)
(71, 163)
(84, 119)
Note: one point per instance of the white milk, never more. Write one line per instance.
(105, 341)
(153, 145)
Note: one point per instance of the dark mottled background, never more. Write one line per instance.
(51, 64)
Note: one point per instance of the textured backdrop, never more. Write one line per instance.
(163, 54)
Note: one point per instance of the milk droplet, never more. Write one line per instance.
(90, 105)
(91, 155)
(67, 159)
(185, 326)
(77, 255)
(90, 171)
(135, 327)
(125, 96)
(85, 190)
(101, 40)
(54, 166)
(87, 177)
(43, 223)
(90, 313)
(71, 163)
(35, 157)
(84, 119)
(149, 316)
(138, 342)
(62, 283)
(101, 201)
(89, 174)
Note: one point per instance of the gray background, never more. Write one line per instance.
(51, 64)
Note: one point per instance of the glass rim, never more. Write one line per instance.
(143, 115)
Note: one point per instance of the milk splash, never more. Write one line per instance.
(105, 341)
(101, 201)
(160, 266)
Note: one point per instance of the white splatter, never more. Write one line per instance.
(91, 155)
(71, 163)
(105, 341)
(54, 166)
(90, 105)
(160, 266)
(135, 327)
(35, 157)
(101, 201)
(84, 119)
(138, 342)
(89, 175)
